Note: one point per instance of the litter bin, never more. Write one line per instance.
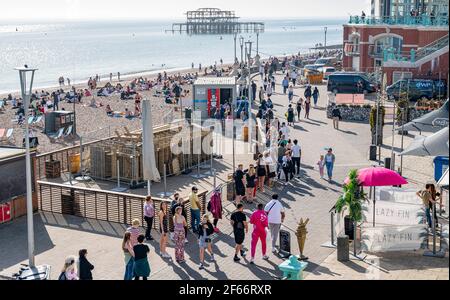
(440, 165)
(188, 113)
(245, 133)
(373, 152)
(343, 248)
(387, 162)
(75, 163)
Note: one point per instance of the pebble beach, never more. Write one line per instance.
(91, 123)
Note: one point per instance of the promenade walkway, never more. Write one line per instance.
(308, 197)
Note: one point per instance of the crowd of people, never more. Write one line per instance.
(265, 219)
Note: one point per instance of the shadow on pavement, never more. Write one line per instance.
(13, 241)
(316, 269)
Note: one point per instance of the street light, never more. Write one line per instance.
(26, 76)
(241, 42)
(326, 29)
(248, 54)
(235, 56)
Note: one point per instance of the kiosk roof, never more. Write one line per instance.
(215, 81)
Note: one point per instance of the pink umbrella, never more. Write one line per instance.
(378, 176)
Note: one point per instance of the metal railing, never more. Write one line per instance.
(424, 20)
(433, 47)
(392, 54)
(102, 205)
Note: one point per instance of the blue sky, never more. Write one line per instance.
(174, 9)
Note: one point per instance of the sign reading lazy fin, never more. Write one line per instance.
(393, 238)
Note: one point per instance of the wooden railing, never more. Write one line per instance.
(102, 204)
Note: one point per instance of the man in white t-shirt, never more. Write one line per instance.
(284, 130)
(275, 214)
(294, 77)
(296, 154)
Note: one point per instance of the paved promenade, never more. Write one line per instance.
(308, 197)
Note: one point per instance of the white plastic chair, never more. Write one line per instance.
(58, 134)
(9, 133)
(68, 131)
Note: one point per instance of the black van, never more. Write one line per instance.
(350, 83)
(416, 89)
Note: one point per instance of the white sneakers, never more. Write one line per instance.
(265, 257)
(165, 255)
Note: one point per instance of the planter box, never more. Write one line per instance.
(354, 113)
(414, 113)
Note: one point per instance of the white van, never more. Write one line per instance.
(327, 71)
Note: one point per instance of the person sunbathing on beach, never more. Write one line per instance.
(109, 111)
(87, 93)
(128, 114)
(93, 103)
(137, 98)
(137, 110)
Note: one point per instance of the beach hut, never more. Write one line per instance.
(209, 93)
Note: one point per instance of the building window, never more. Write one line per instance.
(397, 75)
(388, 42)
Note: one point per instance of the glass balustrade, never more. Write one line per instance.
(424, 20)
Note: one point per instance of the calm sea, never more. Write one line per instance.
(83, 49)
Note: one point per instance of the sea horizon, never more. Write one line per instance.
(81, 49)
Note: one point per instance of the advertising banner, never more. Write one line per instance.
(393, 238)
(339, 225)
(392, 213)
(399, 195)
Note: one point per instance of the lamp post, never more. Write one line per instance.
(377, 142)
(257, 43)
(393, 128)
(235, 56)
(26, 76)
(325, 46)
(241, 42)
(248, 47)
(405, 112)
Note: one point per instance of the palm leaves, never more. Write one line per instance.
(352, 198)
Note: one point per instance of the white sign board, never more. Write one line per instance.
(339, 225)
(399, 195)
(393, 238)
(392, 213)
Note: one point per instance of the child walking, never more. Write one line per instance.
(321, 164)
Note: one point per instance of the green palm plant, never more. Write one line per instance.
(352, 198)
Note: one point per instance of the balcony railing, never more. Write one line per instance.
(391, 54)
(424, 20)
(351, 49)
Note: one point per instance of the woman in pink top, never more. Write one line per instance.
(149, 215)
(135, 232)
(260, 223)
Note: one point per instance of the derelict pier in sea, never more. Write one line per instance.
(215, 21)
